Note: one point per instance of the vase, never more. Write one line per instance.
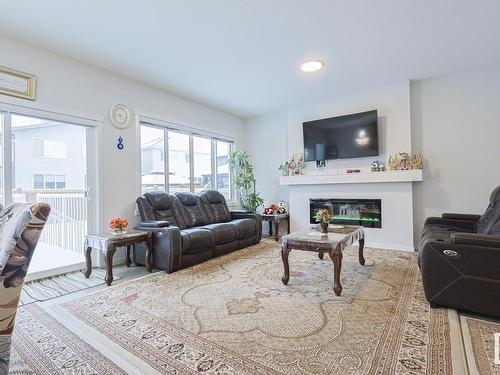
(324, 227)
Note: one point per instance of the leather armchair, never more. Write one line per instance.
(459, 257)
(20, 228)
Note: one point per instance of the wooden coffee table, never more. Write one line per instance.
(107, 243)
(332, 243)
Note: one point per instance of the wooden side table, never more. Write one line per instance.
(107, 243)
(275, 220)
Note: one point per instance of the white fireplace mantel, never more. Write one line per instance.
(413, 175)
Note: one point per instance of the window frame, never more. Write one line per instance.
(213, 155)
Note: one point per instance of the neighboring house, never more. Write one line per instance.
(49, 156)
(153, 162)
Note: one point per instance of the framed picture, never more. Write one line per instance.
(15, 83)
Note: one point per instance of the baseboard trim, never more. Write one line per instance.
(408, 248)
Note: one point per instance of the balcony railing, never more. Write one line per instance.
(67, 224)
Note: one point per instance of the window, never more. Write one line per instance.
(202, 164)
(38, 148)
(152, 159)
(60, 181)
(179, 166)
(45, 149)
(49, 181)
(38, 181)
(183, 162)
(223, 172)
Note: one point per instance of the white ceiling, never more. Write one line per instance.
(243, 56)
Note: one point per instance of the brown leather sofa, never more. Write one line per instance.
(459, 256)
(190, 229)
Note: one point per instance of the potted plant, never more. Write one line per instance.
(244, 180)
(323, 217)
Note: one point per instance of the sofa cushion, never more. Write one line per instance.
(222, 232)
(245, 227)
(191, 209)
(195, 240)
(215, 206)
(166, 207)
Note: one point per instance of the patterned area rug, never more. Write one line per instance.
(56, 286)
(41, 345)
(479, 342)
(232, 315)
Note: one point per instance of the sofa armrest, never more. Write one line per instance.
(474, 239)
(167, 246)
(465, 225)
(154, 224)
(466, 217)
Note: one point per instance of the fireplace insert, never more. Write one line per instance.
(365, 212)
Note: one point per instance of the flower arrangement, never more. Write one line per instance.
(270, 209)
(323, 217)
(118, 225)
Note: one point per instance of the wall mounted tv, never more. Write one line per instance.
(342, 137)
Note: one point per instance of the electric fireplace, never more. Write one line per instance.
(365, 212)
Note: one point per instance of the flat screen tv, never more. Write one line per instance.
(342, 137)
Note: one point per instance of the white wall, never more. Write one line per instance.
(266, 141)
(273, 139)
(392, 102)
(456, 127)
(68, 84)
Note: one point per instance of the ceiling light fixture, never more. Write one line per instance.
(312, 66)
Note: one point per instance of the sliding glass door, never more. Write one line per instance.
(46, 161)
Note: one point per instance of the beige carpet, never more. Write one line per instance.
(41, 345)
(233, 315)
(478, 336)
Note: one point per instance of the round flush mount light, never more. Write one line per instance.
(312, 66)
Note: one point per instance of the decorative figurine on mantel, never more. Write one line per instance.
(294, 166)
(404, 161)
(378, 166)
(393, 162)
(416, 161)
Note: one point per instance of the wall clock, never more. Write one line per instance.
(120, 116)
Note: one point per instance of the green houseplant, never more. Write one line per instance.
(244, 180)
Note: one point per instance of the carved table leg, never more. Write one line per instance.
(288, 225)
(336, 257)
(320, 256)
(276, 229)
(109, 265)
(270, 228)
(88, 261)
(127, 256)
(149, 255)
(361, 247)
(284, 257)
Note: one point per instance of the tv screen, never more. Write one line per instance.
(342, 137)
